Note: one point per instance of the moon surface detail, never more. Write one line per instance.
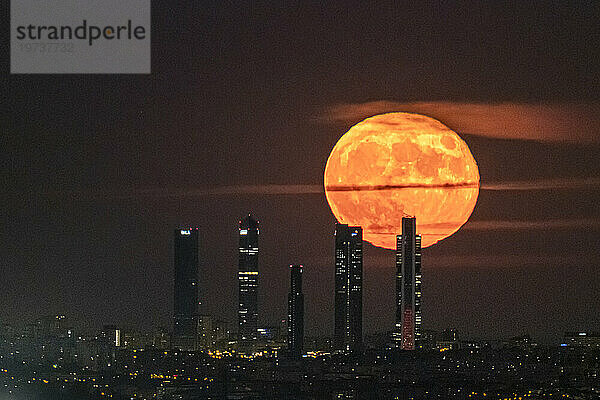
(398, 165)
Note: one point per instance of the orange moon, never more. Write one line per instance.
(396, 165)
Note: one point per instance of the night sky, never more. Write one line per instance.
(239, 115)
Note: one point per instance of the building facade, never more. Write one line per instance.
(348, 288)
(295, 313)
(185, 329)
(248, 280)
(407, 334)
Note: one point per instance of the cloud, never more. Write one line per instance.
(541, 184)
(592, 183)
(259, 189)
(361, 188)
(542, 122)
(275, 190)
(546, 184)
(507, 225)
(165, 192)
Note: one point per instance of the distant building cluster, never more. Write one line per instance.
(47, 360)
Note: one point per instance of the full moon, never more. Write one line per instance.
(397, 165)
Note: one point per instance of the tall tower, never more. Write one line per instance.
(348, 288)
(185, 329)
(296, 313)
(407, 334)
(248, 280)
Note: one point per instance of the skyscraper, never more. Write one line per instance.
(248, 280)
(348, 288)
(407, 334)
(296, 313)
(185, 330)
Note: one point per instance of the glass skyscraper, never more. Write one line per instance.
(295, 313)
(348, 288)
(185, 329)
(407, 334)
(248, 280)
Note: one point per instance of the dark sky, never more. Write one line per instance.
(97, 170)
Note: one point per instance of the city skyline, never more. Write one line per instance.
(244, 223)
